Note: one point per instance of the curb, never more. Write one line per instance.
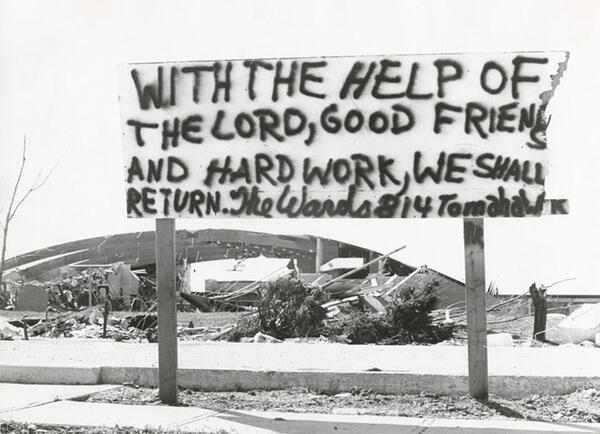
(219, 380)
(50, 374)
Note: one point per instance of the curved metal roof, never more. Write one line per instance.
(138, 249)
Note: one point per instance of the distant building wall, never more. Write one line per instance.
(32, 298)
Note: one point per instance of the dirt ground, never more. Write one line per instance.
(21, 428)
(581, 406)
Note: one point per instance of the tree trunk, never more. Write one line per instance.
(540, 309)
(4, 236)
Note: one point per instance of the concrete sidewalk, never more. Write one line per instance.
(188, 419)
(514, 372)
(20, 396)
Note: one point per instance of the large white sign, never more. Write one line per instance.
(450, 135)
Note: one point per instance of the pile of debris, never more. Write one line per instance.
(92, 322)
(82, 286)
(95, 323)
(205, 333)
(232, 285)
(374, 294)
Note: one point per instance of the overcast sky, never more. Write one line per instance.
(58, 86)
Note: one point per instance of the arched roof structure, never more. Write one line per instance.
(138, 249)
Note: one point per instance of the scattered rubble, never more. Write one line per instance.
(90, 323)
(262, 338)
(77, 302)
(580, 406)
(9, 427)
(8, 331)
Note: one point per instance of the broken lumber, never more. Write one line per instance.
(343, 276)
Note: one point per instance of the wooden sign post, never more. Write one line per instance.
(399, 136)
(167, 310)
(476, 314)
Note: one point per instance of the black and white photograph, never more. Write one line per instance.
(277, 216)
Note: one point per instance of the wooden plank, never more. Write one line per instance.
(475, 299)
(349, 273)
(318, 255)
(167, 310)
(375, 267)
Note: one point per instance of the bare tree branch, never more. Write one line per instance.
(9, 213)
(12, 208)
(35, 187)
(32, 189)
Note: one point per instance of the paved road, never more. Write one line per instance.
(442, 360)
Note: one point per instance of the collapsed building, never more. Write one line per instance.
(229, 265)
